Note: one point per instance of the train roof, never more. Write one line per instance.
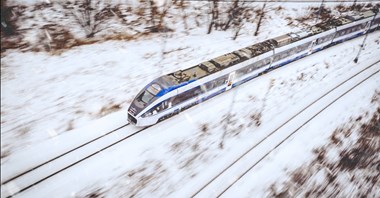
(219, 63)
(180, 77)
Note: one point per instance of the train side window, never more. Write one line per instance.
(284, 54)
(280, 56)
(276, 57)
(248, 69)
(288, 53)
(329, 37)
(210, 85)
(299, 48)
(320, 40)
(219, 81)
(259, 64)
(304, 46)
(268, 60)
(323, 39)
(292, 51)
(187, 95)
(243, 71)
(215, 83)
(252, 67)
(343, 32)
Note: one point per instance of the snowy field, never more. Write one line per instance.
(52, 101)
(47, 94)
(175, 157)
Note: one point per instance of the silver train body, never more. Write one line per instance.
(172, 93)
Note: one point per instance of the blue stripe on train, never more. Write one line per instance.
(285, 63)
(272, 67)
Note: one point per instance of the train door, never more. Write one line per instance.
(230, 80)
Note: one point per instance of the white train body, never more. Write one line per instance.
(175, 92)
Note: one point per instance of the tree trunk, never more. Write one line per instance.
(260, 19)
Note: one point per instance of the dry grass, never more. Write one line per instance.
(95, 193)
(376, 97)
(5, 153)
(356, 165)
(109, 109)
(255, 118)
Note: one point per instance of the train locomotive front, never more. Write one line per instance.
(151, 100)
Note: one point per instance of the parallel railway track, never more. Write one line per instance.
(223, 181)
(67, 159)
(48, 169)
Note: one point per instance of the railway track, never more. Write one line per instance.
(65, 160)
(223, 181)
(47, 169)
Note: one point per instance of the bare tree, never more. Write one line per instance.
(214, 15)
(261, 16)
(184, 15)
(157, 16)
(153, 12)
(238, 14)
(237, 30)
(90, 15)
(233, 13)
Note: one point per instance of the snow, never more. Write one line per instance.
(287, 130)
(65, 143)
(180, 158)
(52, 103)
(275, 167)
(45, 95)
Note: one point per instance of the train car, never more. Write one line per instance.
(172, 93)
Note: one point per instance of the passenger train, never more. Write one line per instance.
(172, 93)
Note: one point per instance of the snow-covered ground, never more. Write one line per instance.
(50, 99)
(44, 95)
(184, 152)
(283, 171)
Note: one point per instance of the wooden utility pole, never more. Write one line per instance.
(365, 38)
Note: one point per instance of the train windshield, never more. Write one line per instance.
(150, 92)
